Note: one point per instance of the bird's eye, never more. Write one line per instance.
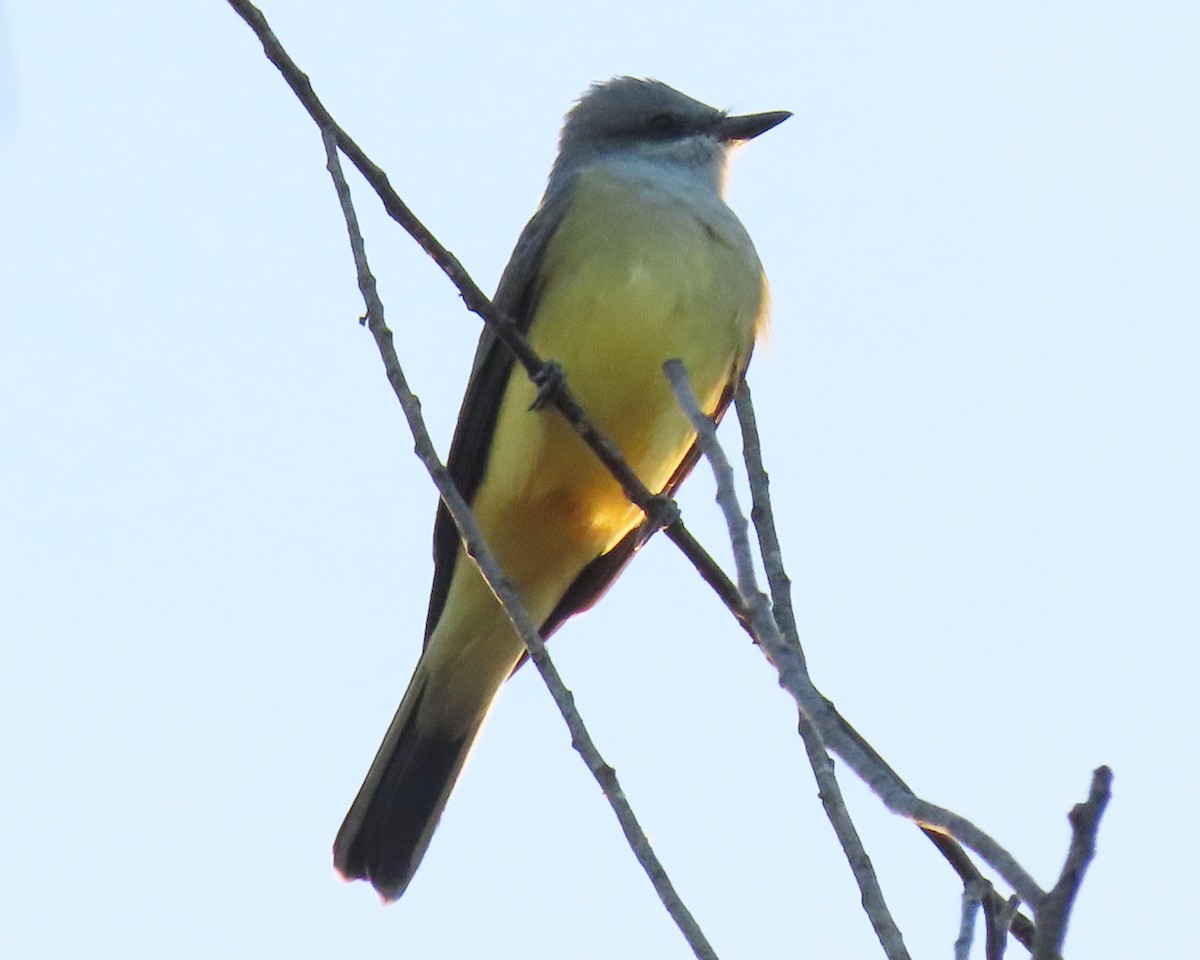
(664, 124)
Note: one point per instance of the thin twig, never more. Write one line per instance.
(873, 901)
(972, 896)
(763, 516)
(794, 678)
(504, 327)
(1055, 910)
(478, 550)
(869, 889)
(999, 922)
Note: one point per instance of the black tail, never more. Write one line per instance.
(391, 820)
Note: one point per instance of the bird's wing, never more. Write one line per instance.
(516, 296)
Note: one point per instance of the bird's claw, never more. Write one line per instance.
(549, 381)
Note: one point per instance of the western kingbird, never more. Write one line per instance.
(632, 259)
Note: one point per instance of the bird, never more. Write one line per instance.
(631, 259)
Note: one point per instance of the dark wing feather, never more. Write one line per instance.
(517, 296)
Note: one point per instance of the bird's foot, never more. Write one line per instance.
(662, 511)
(549, 381)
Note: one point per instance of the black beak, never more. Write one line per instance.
(739, 129)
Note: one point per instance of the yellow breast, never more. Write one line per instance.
(632, 277)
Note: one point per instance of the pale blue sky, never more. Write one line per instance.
(980, 412)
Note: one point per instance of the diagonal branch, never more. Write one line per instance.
(873, 901)
(479, 552)
(780, 583)
(793, 677)
(871, 892)
(506, 330)
(972, 896)
(1055, 910)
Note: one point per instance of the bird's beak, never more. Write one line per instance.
(737, 129)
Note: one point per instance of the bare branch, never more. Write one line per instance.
(873, 901)
(972, 895)
(999, 920)
(1055, 910)
(504, 327)
(780, 583)
(763, 516)
(869, 889)
(793, 677)
(478, 550)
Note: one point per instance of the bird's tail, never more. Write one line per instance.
(391, 820)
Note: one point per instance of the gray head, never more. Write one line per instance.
(646, 118)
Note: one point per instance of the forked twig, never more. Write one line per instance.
(873, 901)
(763, 516)
(793, 677)
(1055, 910)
